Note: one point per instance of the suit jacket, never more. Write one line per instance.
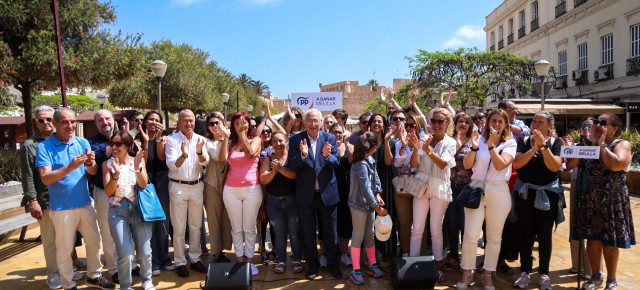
(313, 167)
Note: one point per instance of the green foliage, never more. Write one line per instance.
(471, 73)
(372, 82)
(633, 136)
(77, 103)
(10, 165)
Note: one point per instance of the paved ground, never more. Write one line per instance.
(22, 268)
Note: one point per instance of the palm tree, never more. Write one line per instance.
(372, 82)
(244, 80)
(259, 87)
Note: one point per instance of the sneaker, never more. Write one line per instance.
(544, 282)
(522, 281)
(323, 261)
(374, 271)
(596, 281)
(53, 282)
(346, 260)
(79, 263)
(77, 276)
(356, 277)
(170, 267)
(101, 283)
(198, 266)
(156, 272)
(135, 271)
(254, 269)
(182, 271)
(148, 285)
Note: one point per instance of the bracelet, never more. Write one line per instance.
(199, 153)
(474, 149)
(491, 148)
(33, 199)
(429, 153)
(185, 157)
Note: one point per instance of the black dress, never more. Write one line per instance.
(342, 172)
(385, 172)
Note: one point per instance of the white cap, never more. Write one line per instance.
(383, 226)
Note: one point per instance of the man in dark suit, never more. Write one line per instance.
(314, 154)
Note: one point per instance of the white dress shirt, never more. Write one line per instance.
(191, 168)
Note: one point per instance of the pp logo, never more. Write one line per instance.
(568, 151)
(303, 101)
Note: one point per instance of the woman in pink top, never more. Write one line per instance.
(242, 194)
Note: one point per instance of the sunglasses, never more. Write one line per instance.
(437, 121)
(213, 124)
(480, 117)
(410, 126)
(364, 122)
(266, 131)
(337, 132)
(138, 120)
(585, 127)
(41, 120)
(117, 143)
(298, 116)
(602, 123)
(396, 119)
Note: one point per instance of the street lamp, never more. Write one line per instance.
(101, 100)
(159, 68)
(249, 109)
(542, 69)
(225, 99)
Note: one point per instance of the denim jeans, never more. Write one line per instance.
(124, 223)
(160, 236)
(283, 217)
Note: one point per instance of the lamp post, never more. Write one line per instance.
(542, 69)
(225, 99)
(249, 109)
(159, 68)
(101, 100)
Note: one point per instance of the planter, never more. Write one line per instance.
(633, 182)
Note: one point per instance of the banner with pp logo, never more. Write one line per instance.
(328, 101)
(584, 152)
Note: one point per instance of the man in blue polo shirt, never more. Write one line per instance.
(63, 161)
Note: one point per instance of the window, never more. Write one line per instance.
(534, 10)
(635, 40)
(562, 62)
(500, 33)
(582, 56)
(607, 49)
(522, 19)
(493, 38)
(510, 26)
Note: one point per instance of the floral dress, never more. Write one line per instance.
(606, 215)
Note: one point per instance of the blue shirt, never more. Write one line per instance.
(72, 191)
(520, 124)
(99, 145)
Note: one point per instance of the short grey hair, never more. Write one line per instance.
(550, 118)
(42, 108)
(63, 110)
(184, 111)
(306, 114)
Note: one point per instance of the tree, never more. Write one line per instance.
(259, 87)
(372, 82)
(471, 73)
(77, 103)
(92, 56)
(244, 80)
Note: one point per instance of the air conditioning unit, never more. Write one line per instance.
(560, 84)
(601, 74)
(577, 75)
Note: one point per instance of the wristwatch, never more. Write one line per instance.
(474, 149)
(546, 146)
(491, 148)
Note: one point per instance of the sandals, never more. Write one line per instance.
(279, 269)
(505, 268)
(450, 264)
(297, 267)
(441, 277)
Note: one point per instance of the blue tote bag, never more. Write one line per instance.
(149, 207)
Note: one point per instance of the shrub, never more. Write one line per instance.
(10, 165)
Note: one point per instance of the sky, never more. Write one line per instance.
(292, 45)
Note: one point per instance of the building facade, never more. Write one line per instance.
(592, 45)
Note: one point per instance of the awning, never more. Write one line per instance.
(571, 109)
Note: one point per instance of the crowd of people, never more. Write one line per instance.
(327, 194)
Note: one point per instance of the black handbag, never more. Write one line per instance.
(470, 196)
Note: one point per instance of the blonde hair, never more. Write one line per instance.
(445, 113)
(328, 117)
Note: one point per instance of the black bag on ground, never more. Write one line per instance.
(228, 276)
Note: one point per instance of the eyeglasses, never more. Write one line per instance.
(117, 143)
(41, 120)
(213, 124)
(602, 123)
(364, 122)
(138, 120)
(266, 131)
(585, 127)
(396, 119)
(437, 121)
(337, 132)
(298, 116)
(407, 125)
(480, 117)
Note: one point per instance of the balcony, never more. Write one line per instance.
(492, 48)
(633, 66)
(534, 24)
(577, 3)
(500, 44)
(521, 32)
(584, 80)
(561, 9)
(561, 82)
(510, 39)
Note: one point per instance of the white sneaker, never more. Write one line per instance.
(346, 260)
(323, 261)
(171, 267)
(78, 276)
(544, 282)
(156, 272)
(53, 283)
(254, 270)
(148, 285)
(522, 281)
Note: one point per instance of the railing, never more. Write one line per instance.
(500, 44)
(492, 48)
(534, 24)
(633, 66)
(585, 78)
(521, 32)
(510, 39)
(563, 80)
(577, 3)
(561, 9)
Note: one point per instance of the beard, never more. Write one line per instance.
(106, 131)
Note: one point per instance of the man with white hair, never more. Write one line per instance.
(185, 158)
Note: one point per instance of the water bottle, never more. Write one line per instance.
(423, 137)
